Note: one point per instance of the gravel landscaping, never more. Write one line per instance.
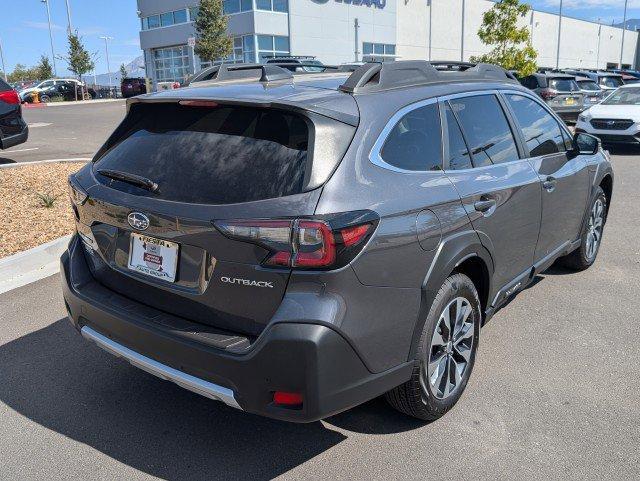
(25, 193)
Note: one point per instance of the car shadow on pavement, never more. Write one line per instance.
(56, 379)
(4, 160)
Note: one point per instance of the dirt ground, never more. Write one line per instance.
(25, 221)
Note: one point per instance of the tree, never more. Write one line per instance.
(79, 60)
(44, 69)
(21, 72)
(212, 40)
(123, 71)
(511, 43)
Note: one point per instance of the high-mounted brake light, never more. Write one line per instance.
(305, 243)
(199, 103)
(10, 97)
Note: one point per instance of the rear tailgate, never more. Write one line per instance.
(210, 163)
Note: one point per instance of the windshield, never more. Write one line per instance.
(624, 96)
(588, 85)
(563, 85)
(611, 82)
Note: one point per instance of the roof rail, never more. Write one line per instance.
(268, 73)
(379, 76)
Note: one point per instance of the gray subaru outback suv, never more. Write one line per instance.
(295, 245)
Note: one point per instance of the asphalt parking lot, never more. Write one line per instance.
(555, 394)
(66, 131)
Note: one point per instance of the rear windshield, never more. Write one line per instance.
(612, 82)
(208, 155)
(563, 85)
(588, 85)
(4, 86)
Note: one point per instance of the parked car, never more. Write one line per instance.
(13, 129)
(62, 90)
(559, 90)
(45, 85)
(130, 87)
(592, 92)
(296, 63)
(616, 120)
(293, 246)
(607, 81)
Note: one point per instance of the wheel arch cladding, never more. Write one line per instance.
(463, 253)
(606, 184)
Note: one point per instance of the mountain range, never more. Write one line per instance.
(135, 68)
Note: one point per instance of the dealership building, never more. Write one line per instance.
(340, 31)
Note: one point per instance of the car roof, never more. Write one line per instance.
(333, 93)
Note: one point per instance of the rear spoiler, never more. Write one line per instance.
(343, 117)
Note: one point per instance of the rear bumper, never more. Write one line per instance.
(20, 138)
(301, 357)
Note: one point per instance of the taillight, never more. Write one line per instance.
(548, 94)
(10, 97)
(328, 242)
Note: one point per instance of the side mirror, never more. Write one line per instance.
(586, 144)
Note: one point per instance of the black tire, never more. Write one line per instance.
(417, 397)
(579, 259)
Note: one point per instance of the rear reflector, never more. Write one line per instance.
(9, 97)
(353, 235)
(289, 399)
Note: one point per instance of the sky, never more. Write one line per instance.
(25, 36)
(24, 31)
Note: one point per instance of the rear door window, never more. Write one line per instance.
(541, 131)
(211, 155)
(458, 152)
(486, 129)
(415, 142)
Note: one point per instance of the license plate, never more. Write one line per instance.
(570, 101)
(593, 99)
(153, 257)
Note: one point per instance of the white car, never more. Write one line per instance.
(615, 120)
(46, 84)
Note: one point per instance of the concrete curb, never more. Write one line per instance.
(73, 102)
(36, 162)
(31, 265)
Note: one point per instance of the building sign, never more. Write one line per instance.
(191, 41)
(365, 3)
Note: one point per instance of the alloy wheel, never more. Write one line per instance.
(594, 229)
(451, 347)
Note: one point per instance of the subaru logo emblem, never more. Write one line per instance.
(611, 122)
(138, 221)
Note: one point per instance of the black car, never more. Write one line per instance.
(13, 130)
(62, 91)
(296, 244)
(130, 87)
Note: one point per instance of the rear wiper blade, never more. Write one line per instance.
(133, 179)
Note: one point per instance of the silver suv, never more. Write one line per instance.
(295, 245)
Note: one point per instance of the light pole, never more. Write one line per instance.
(624, 29)
(53, 55)
(106, 48)
(598, 49)
(4, 70)
(430, 4)
(462, 36)
(559, 34)
(68, 18)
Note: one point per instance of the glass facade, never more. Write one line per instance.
(236, 6)
(272, 5)
(272, 46)
(243, 52)
(176, 17)
(373, 51)
(171, 64)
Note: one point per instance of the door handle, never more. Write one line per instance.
(484, 205)
(550, 184)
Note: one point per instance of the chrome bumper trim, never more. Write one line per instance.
(187, 381)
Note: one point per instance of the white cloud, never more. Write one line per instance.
(131, 42)
(604, 4)
(41, 25)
